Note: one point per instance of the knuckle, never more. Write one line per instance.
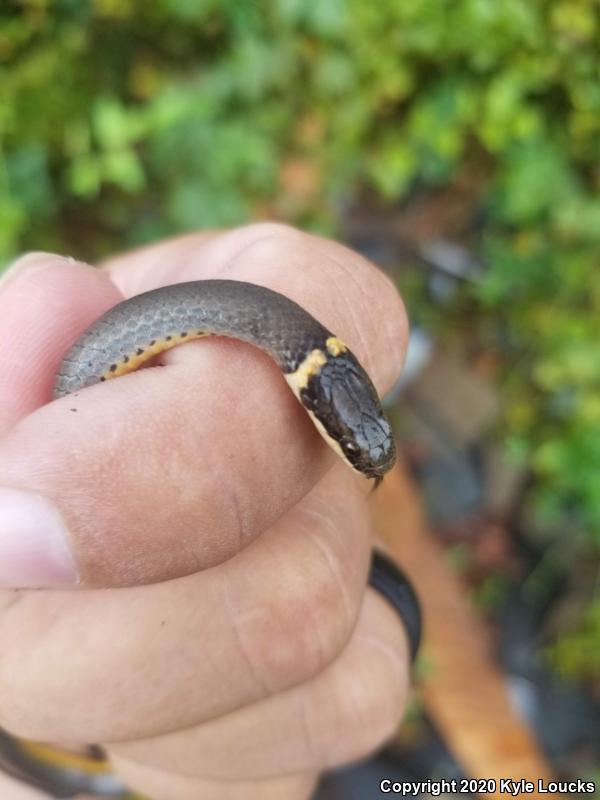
(304, 627)
(385, 328)
(272, 232)
(374, 704)
(396, 328)
(17, 696)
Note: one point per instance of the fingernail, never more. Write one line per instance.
(30, 262)
(34, 545)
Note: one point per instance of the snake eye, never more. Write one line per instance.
(352, 448)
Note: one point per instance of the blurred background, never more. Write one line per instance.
(457, 144)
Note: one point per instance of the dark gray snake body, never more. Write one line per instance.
(323, 373)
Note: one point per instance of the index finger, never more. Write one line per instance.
(343, 290)
(168, 471)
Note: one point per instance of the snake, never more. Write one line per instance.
(323, 373)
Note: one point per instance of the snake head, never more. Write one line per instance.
(346, 407)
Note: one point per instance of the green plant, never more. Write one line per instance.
(577, 653)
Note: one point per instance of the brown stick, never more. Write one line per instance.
(464, 691)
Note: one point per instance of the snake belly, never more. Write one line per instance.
(322, 372)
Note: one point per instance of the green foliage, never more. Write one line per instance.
(139, 118)
(577, 654)
(123, 120)
(545, 292)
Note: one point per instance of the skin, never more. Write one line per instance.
(242, 681)
(11, 789)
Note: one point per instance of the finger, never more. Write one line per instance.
(156, 264)
(183, 458)
(147, 480)
(45, 301)
(343, 290)
(170, 786)
(362, 693)
(11, 789)
(113, 665)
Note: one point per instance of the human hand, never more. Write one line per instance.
(224, 645)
